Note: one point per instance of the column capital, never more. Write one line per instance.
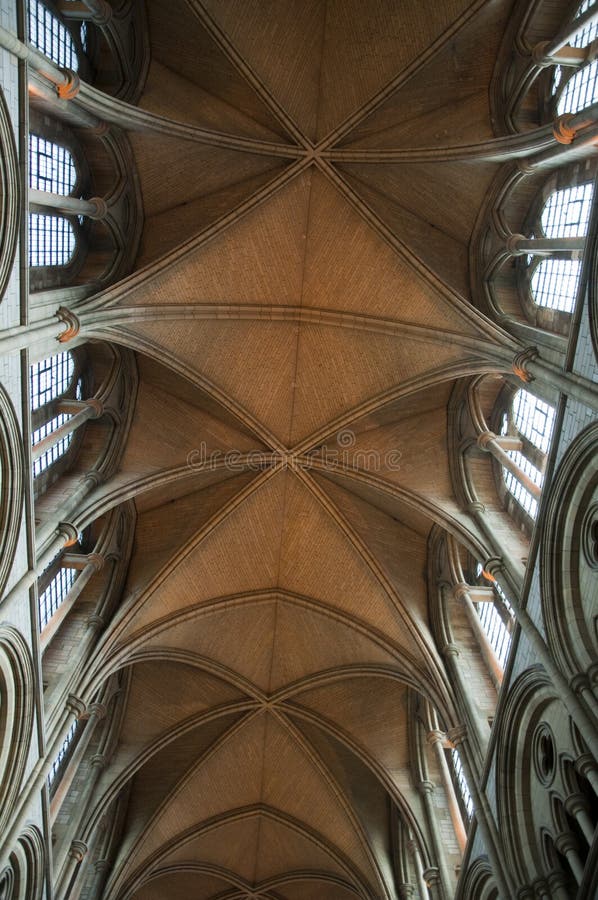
(73, 325)
(561, 129)
(98, 761)
(71, 85)
(585, 764)
(475, 506)
(580, 683)
(95, 621)
(425, 787)
(520, 363)
(492, 567)
(512, 244)
(97, 709)
(540, 887)
(93, 478)
(101, 865)
(484, 439)
(565, 842)
(457, 735)
(539, 54)
(101, 12)
(405, 891)
(75, 705)
(576, 803)
(97, 406)
(413, 847)
(70, 533)
(461, 591)
(450, 650)
(431, 876)
(101, 208)
(435, 736)
(96, 560)
(78, 850)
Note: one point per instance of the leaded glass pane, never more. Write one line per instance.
(48, 35)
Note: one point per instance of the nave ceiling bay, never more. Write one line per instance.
(301, 302)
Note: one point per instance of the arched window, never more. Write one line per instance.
(51, 167)
(566, 212)
(555, 282)
(497, 618)
(581, 88)
(531, 420)
(51, 240)
(55, 594)
(63, 753)
(460, 783)
(51, 37)
(50, 380)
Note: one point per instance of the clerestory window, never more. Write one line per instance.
(48, 35)
(581, 88)
(531, 420)
(51, 167)
(462, 788)
(55, 594)
(52, 240)
(50, 380)
(64, 751)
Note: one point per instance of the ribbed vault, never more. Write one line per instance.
(300, 311)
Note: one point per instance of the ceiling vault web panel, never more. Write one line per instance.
(300, 318)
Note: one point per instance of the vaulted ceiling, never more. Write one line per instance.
(300, 302)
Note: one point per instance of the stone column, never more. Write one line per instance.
(87, 409)
(587, 766)
(93, 563)
(498, 447)
(432, 877)
(566, 844)
(450, 653)
(519, 245)
(482, 812)
(97, 712)
(42, 201)
(37, 779)
(550, 53)
(65, 81)
(405, 891)
(426, 789)
(62, 854)
(528, 365)
(422, 887)
(558, 886)
(578, 807)
(76, 854)
(67, 508)
(65, 535)
(436, 740)
(45, 332)
(462, 593)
